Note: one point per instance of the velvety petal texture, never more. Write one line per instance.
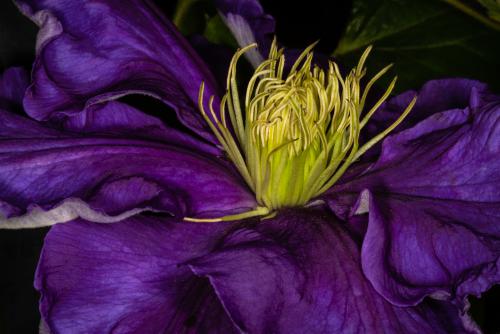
(13, 84)
(435, 96)
(95, 51)
(300, 273)
(418, 231)
(129, 277)
(121, 120)
(107, 118)
(433, 203)
(42, 168)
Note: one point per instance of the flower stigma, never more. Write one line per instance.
(293, 135)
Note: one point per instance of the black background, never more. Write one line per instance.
(297, 26)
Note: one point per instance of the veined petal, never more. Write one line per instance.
(13, 83)
(434, 97)
(121, 120)
(108, 118)
(434, 207)
(94, 51)
(129, 277)
(437, 247)
(300, 273)
(39, 170)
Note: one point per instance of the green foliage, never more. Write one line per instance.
(201, 17)
(189, 16)
(493, 8)
(217, 32)
(425, 39)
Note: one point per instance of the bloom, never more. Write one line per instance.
(300, 132)
(395, 246)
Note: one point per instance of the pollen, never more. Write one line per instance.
(294, 132)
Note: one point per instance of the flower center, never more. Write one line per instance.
(295, 134)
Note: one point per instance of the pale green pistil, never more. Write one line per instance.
(295, 135)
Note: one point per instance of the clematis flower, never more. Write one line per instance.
(283, 211)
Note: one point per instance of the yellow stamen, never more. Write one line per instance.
(295, 136)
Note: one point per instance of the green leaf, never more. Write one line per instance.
(189, 16)
(200, 17)
(217, 32)
(425, 40)
(493, 7)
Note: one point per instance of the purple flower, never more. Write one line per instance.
(394, 246)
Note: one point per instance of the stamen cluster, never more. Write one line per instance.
(298, 130)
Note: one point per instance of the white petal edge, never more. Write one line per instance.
(43, 328)
(49, 25)
(66, 211)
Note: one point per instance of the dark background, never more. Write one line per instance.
(297, 26)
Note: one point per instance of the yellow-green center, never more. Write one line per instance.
(294, 135)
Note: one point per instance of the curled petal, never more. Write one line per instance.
(128, 277)
(434, 207)
(300, 273)
(66, 211)
(434, 97)
(121, 120)
(437, 247)
(95, 51)
(40, 168)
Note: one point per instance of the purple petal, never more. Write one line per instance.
(40, 170)
(435, 96)
(110, 117)
(249, 24)
(94, 51)
(129, 277)
(418, 247)
(435, 206)
(300, 273)
(120, 119)
(13, 84)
